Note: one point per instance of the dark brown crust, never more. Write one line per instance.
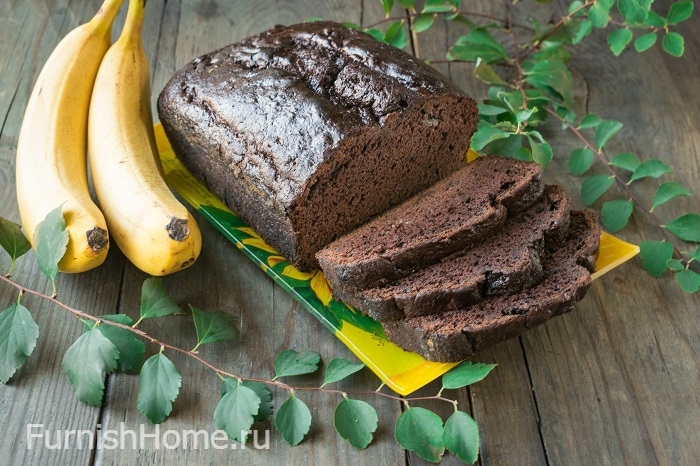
(456, 335)
(447, 217)
(503, 263)
(308, 131)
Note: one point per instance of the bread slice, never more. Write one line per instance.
(505, 262)
(447, 217)
(456, 335)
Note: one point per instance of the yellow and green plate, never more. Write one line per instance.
(402, 371)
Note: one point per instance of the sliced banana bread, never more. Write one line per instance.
(505, 262)
(456, 335)
(447, 217)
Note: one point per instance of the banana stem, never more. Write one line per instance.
(134, 20)
(105, 15)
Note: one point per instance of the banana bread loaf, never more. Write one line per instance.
(308, 131)
(456, 335)
(505, 262)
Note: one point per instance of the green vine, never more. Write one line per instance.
(531, 84)
(114, 343)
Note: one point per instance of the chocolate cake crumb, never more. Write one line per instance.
(447, 217)
(456, 335)
(505, 262)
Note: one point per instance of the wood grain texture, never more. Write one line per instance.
(614, 382)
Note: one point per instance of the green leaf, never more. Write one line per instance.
(524, 115)
(645, 42)
(376, 33)
(131, 349)
(50, 240)
(541, 152)
(575, 5)
(86, 362)
(604, 131)
(461, 436)
(580, 160)
(656, 20)
(13, 240)
(465, 374)
(260, 389)
(408, 4)
(634, 11)
(615, 214)
(159, 385)
(679, 11)
(388, 5)
(213, 326)
(289, 362)
(552, 75)
(686, 227)
(236, 411)
(618, 40)
(486, 73)
(589, 121)
(626, 160)
(423, 22)
(438, 6)
(420, 430)
(653, 168)
(673, 43)
(340, 368)
(486, 133)
(396, 35)
(479, 43)
(585, 27)
(655, 255)
(155, 301)
(688, 280)
(675, 265)
(293, 420)
(355, 421)
(490, 110)
(599, 15)
(594, 187)
(18, 336)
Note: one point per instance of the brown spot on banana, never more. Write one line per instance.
(178, 229)
(97, 239)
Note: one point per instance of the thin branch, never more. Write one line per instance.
(622, 184)
(220, 372)
(562, 21)
(413, 14)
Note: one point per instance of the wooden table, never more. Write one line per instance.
(615, 382)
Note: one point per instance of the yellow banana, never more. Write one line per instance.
(51, 161)
(151, 227)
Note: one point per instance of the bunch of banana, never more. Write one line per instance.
(51, 162)
(96, 98)
(151, 227)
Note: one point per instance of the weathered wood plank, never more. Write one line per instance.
(41, 393)
(616, 380)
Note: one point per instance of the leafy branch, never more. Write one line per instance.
(114, 343)
(531, 83)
